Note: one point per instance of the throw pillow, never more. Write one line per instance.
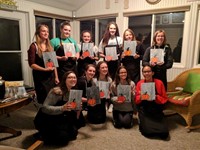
(192, 83)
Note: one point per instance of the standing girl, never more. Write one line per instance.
(159, 68)
(132, 63)
(111, 39)
(86, 37)
(44, 78)
(66, 63)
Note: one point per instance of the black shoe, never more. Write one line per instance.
(37, 136)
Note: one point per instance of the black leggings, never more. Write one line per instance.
(122, 119)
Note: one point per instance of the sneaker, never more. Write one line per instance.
(110, 109)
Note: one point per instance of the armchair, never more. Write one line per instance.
(185, 102)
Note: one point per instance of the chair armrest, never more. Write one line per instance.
(171, 86)
(195, 99)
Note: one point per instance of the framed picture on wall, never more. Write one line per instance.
(165, 19)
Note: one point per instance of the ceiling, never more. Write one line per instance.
(71, 5)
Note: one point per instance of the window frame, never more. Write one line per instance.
(184, 59)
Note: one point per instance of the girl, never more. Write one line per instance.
(111, 39)
(44, 78)
(56, 121)
(86, 37)
(122, 111)
(132, 63)
(66, 63)
(159, 68)
(150, 112)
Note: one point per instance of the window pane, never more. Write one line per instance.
(8, 42)
(58, 22)
(88, 25)
(173, 24)
(47, 21)
(102, 26)
(141, 26)
(11, 69)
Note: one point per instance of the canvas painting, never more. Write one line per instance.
(130, 48)
(103, 89)
(93, 97)
(123, 93)
(50, 59)
(157, 55)
(75, 98)
(69, 49)
(111, 53)
(148, 91)
(87, 49)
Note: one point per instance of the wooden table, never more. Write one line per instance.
(7, 107)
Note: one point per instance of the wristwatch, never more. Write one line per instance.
(153, 1)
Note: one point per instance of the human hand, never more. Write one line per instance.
(136, 56)
(63, 58)
(57, 80)
(49, 68)
(160, 63)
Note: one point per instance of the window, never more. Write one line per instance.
(172, 23)
(10, 48)
(46, 21)
(49, 22)
(90, 25)
(141, 28)
(102, 26)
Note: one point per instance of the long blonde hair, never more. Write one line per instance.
(39, 41)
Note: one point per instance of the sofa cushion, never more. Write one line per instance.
(180, 99)
(192, 83)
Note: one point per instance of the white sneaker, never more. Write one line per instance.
(110, 109)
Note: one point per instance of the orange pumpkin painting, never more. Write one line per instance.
(86, 54)
(73, 104)
(145, 96)
(49, 63)
(154, 59)
(68, 54)
(91, 101)
(121, 98)
(108, 57)
(102, 94)
(127, 53)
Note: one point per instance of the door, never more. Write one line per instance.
(13, 46)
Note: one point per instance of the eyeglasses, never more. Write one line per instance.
(122, 72)
(148, 71)
(70, 77)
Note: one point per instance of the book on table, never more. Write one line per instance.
(123, 93)
(130, 48)
(148, 91)
(50, 59)
(93, 96)
(75, 99)
(157, 55)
